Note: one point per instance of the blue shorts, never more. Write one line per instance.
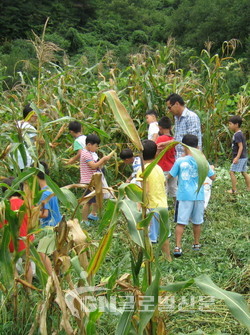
(186, 211)
(241, 166)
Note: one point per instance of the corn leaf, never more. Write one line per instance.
(130, 211)
(123, 118)
(150, 167)
(20, 179)
(111, 210)
(202, 164)
(177, 286)
(125, 322)
(5, 258)
(134, 192)
(149, 303)
(234, 301)
(145, 222)
(163, 227)
(58, 192)
(101, 252)
(40, 269)
(91, 325)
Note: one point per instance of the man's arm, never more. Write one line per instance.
(162, 145)
(194, 128)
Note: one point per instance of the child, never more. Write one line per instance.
(207, 189)
(167, 161)
(50, 217)
(239, 149)
(75, 129)
(88, 166)
(15, 204)
(151, 118)
(190, 204)
(155, 191)
(128, 158)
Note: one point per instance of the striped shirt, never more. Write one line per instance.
(187, 123)
(86, 171)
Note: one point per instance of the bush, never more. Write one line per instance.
(139, 37)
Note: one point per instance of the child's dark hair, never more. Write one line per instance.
(236, 119)
(149, 149)
(190, 140)
(126, 153)
(75, 126)
(165, 122)
(27, 109)
(9, 182)
(173, 98)
(151, 112)
(41, 175)
(93, 139)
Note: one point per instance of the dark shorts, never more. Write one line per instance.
(92, 200)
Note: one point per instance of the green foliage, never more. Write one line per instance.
(121, 246)
(110, 23)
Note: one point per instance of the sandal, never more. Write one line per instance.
(177, 252)
(196, 247)
(231, 191)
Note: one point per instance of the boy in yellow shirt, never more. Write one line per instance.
(155, 192)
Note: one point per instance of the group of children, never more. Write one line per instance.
(49, 217)
(190, 205)
(176, 178)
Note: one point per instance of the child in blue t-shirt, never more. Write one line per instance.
(190, 204)
(50, 216)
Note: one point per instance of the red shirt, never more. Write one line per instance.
(168, 159)
(15, 204)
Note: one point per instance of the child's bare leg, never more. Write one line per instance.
(247, 179)
(47, 263)
(30, 274)
(166, 250)
(197, 233)
(179, 229)
(233, 180)
(94, 209)
(85, 211)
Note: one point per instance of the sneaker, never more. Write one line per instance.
(86, 223)
(177, 252)
(196, 247)
(93, 217)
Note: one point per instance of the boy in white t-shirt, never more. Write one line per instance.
(153, 129)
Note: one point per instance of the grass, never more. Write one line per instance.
(224, 257)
